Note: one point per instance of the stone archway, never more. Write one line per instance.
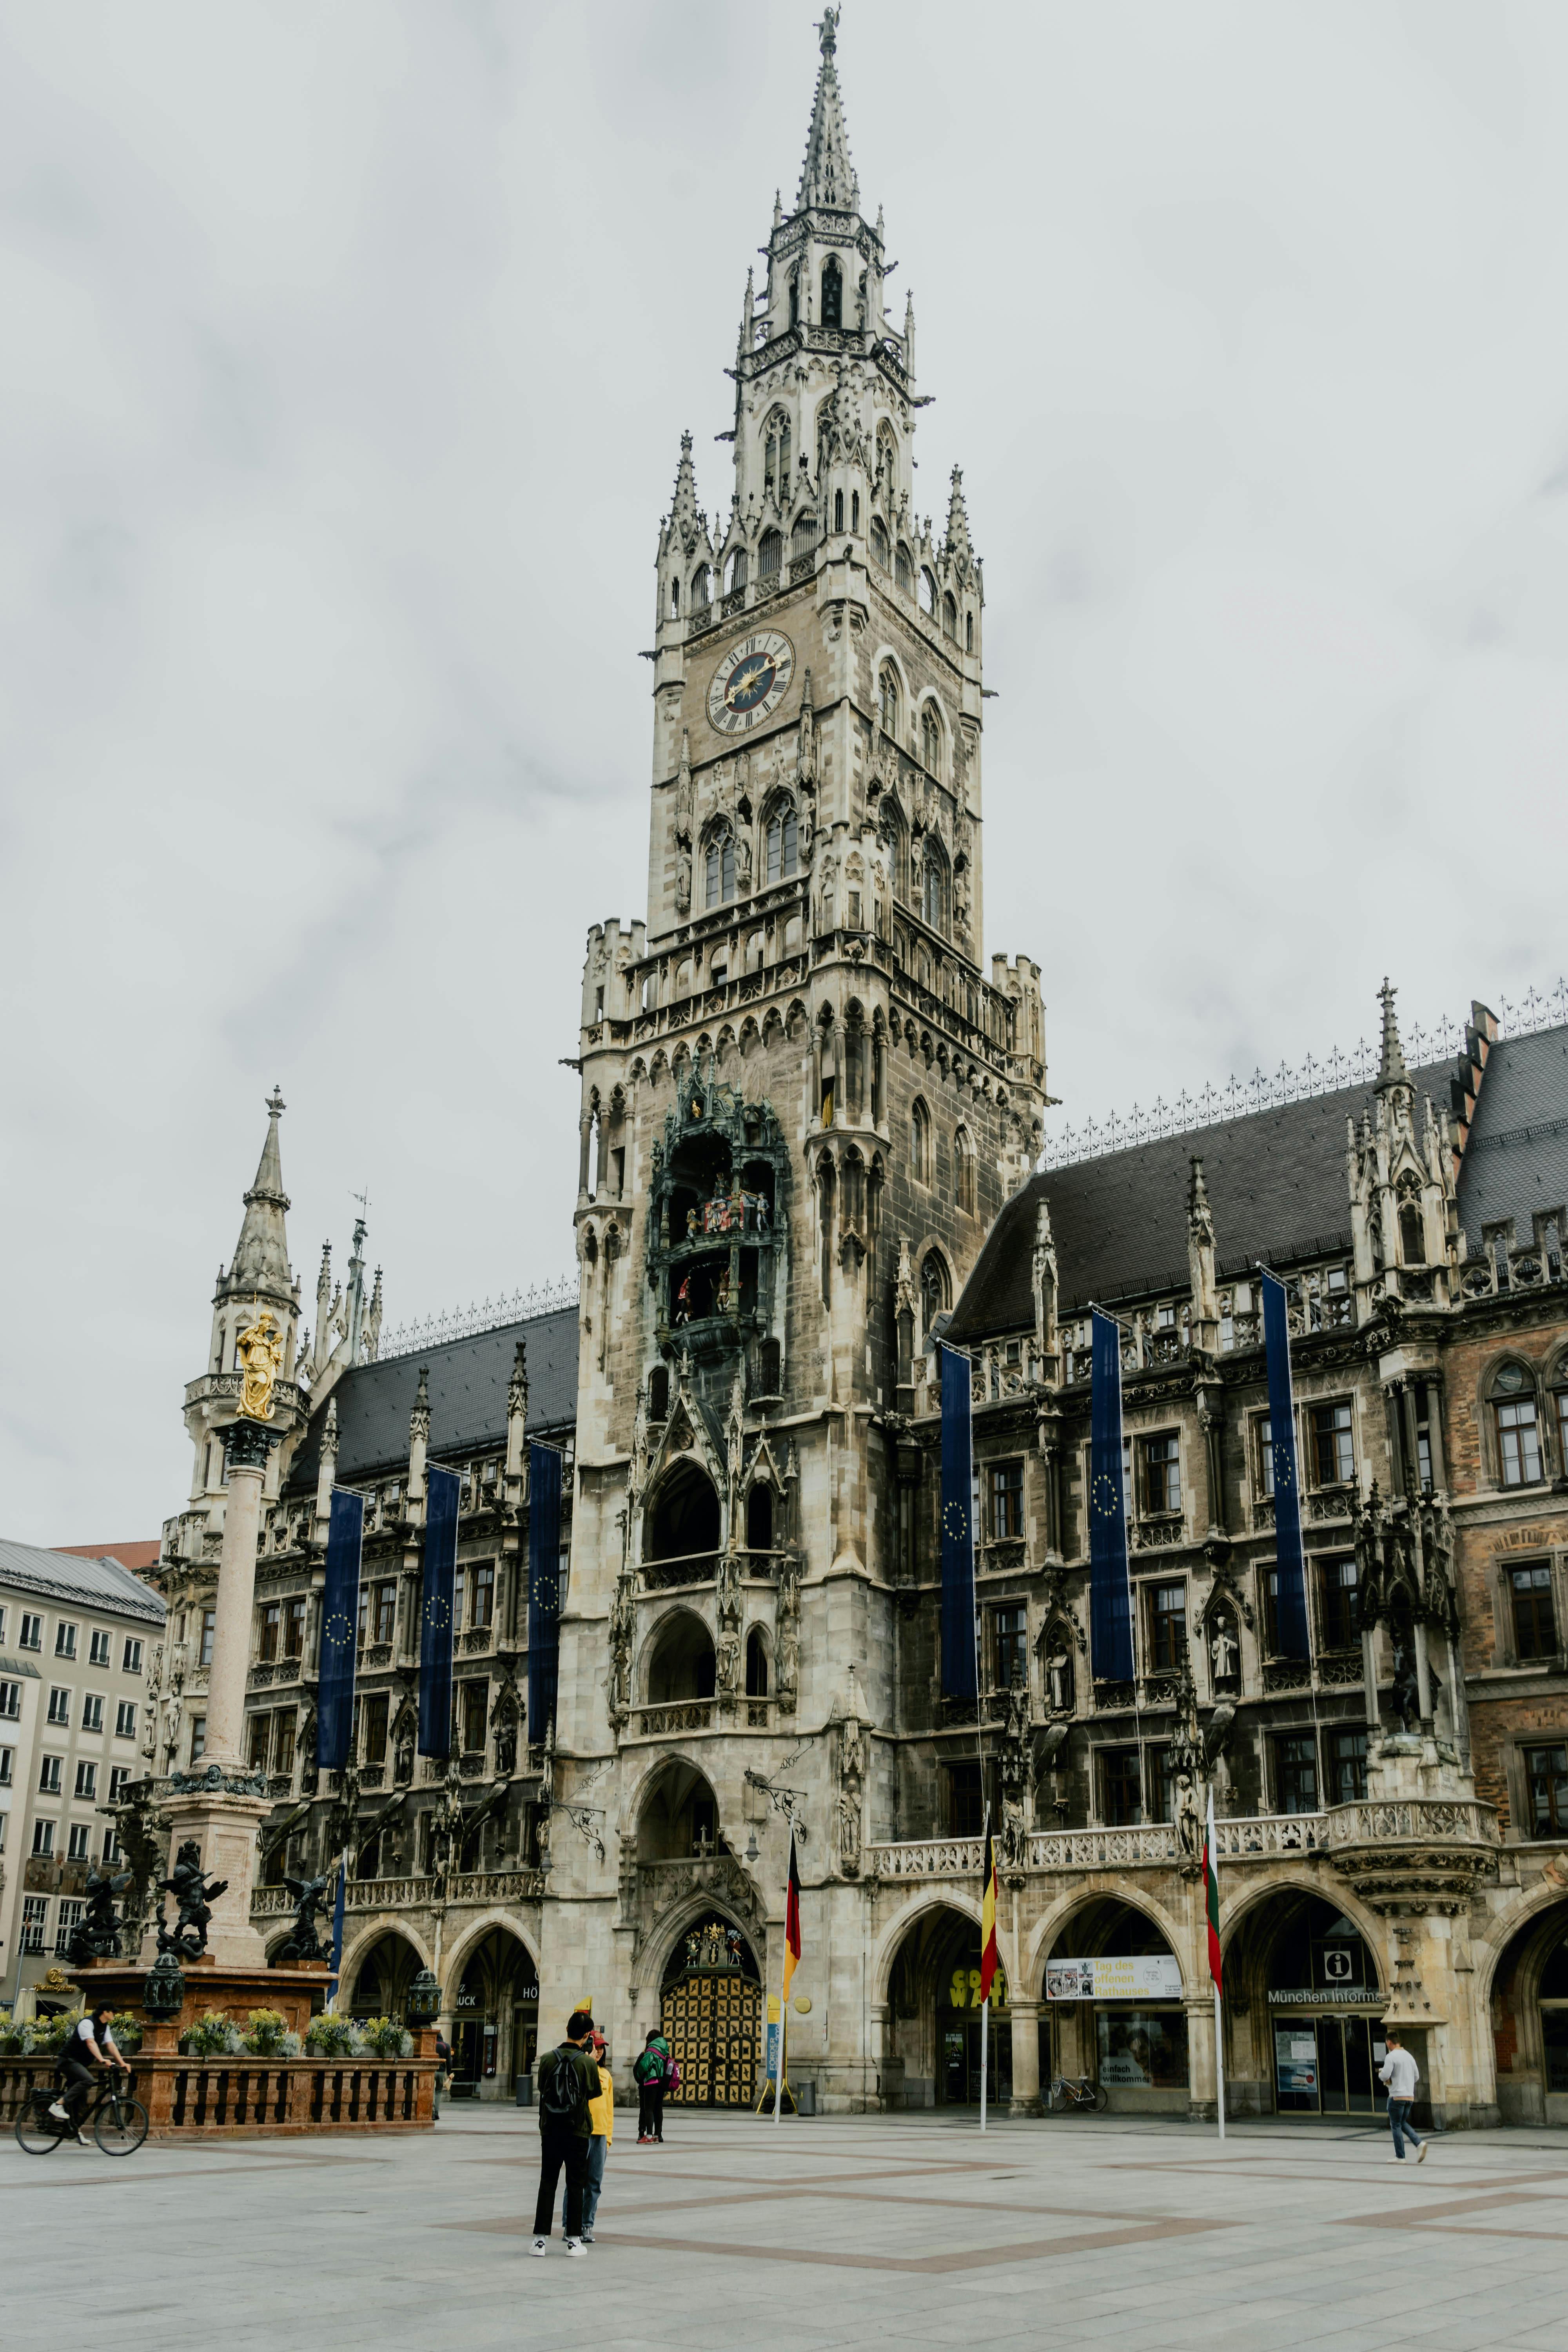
(493, 1996)
(381, 1980)
(1529, 2020)
(711, 2007)
(1304, 1995)
(1115, 2005)
(932, 2038)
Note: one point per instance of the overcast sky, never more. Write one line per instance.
(345, 356)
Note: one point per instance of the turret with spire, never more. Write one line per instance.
(257, 1280)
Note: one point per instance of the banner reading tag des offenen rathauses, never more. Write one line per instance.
(1151, 1976)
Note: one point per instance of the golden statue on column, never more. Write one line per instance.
(261, 1351)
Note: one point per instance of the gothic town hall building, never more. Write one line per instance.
(811, 1122)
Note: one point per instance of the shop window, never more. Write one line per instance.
(1168, 1625)
(965, 1807)
(1120, 1787)
(1142, 2049)
(1534, 1622)
(1347, 1767)
(1338, 1588)
(1162, 1474)
(1333, 1444)
(1546, 1779)
(1010, 1640)
(1295, 1773)
(1006, 1500)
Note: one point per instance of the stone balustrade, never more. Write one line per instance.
(412, 1893)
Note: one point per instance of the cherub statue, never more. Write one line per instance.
(189, 1886)
(97, 1935)
(259, 1348)
(310, 1899)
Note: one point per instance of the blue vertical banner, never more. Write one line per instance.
(340, 1631)
(543, 1586)
(1109, 1589)
(443, 1489)
(1290, 1611)
(960, 1665)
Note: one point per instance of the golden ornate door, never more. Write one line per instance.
(714, 2023)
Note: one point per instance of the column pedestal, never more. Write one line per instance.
(224, 1823)
(1024, 2019)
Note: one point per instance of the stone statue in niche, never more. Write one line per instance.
(683, 883)
(742, 863)
(1059, 1676)
(1223, 1654)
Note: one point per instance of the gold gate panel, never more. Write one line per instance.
(714, 2023)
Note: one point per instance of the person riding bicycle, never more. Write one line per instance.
(92, 2044)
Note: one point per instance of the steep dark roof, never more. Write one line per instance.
(468, 1381)
(1277, 1185)
(1516, 1162)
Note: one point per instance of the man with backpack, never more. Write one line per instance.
(568, 2083)
(655, 2073)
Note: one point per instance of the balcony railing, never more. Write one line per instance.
(689, 1567)
(481, 1886)
(1157, 1845)
(682, 1715)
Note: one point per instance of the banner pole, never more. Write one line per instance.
(984, 2015)
(784, 1996)
(1220, 2062)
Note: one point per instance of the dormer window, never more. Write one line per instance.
(832, 293)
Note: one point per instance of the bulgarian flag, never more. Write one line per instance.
(792, 1918)
(1211, 1898)
(988, 1921)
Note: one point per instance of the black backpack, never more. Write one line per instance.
(563, 2093)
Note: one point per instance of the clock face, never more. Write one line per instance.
(750, 682)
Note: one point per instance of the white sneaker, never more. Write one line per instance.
(540, 2246)
(1421, 2153)
(57, 2110)
(573, 2246)
(587, 2236)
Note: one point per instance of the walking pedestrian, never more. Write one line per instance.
(568, 2083)
(651, 2075)
(602, 2127)
(1399, 2070)
(443, 2072)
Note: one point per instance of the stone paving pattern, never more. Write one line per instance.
(810, 2234)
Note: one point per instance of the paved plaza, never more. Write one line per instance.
(909, 2230)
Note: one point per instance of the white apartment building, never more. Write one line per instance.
(75, 1639)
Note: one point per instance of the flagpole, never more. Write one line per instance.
(1211, 1926)
(985, 2004)
(783, 1991)
(1220, 2062)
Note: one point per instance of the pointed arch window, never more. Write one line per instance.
(888, 700)
(934, 1288)
(795, 300)
(769, 554)
(969, 633)
(927, 590)
(904, 570)
(803, 540)
(675, 600)
(880, 547)
(888, 457)
(935, 895)
(854, 510)
(701, 588)
(950, 618)
(720, 876)
(783, 843)
(931, 741)
(919, 1141)
(963, 1171)
(1411, 1244)
(832, 293)
(737, 570)
(776, 444)
(837, 510)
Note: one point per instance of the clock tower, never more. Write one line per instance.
(804, 1099)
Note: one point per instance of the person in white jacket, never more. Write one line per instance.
(1399, 2070)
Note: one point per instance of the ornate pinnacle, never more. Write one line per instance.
(1392, 1071)
(419, 1418)
(517, 1388)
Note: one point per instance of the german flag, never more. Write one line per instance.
(792, 1919)
(988, 1920)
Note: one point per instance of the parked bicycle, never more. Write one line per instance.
(119, 2122)
(1075, 2094)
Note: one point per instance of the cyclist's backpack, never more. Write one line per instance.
(563, 2094)
(649, 2067)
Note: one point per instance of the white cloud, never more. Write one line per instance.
(346, 360)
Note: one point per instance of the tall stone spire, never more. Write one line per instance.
(683, 512)
(827, 177)
(957, 540)
(260, 1262)
(1392, 1071)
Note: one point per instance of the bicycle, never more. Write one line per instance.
(1075, 2094)
(119, 2122)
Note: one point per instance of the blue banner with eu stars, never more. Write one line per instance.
(1109, 1593)
(1291, 1607)
(959, 1668)
(340, 1631)
(543, 1586)
(443, 1489)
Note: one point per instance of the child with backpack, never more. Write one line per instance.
(568, 2085)
(655, 2073)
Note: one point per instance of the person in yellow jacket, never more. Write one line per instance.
(602, 2125)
